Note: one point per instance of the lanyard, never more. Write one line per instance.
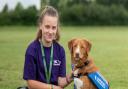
(47, 72)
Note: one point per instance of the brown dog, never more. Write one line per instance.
(83, 64)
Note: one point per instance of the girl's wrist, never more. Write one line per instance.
(50, 86)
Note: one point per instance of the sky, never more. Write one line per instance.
(12, 3)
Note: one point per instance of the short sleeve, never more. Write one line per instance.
(62, 69)
(29, 68)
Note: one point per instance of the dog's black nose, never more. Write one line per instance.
(77, 55)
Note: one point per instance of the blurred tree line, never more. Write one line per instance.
(72, 12)
(18, 16)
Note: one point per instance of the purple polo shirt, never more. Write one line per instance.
(34, 67)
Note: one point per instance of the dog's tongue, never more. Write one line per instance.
(77, 59)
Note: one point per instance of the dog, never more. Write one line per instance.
(83, 64)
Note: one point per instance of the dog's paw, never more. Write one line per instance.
(78, 83)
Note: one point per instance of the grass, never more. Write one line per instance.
(109, 50)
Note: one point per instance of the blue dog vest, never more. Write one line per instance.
(98, 80)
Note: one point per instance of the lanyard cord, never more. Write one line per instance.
(47, 72)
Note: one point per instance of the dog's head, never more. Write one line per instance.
(79, 49)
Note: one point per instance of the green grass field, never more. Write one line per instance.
(109, 50)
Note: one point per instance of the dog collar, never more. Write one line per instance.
(86, 63)
(79, 75)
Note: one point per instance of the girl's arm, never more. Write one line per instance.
(64, 81)
(33, 84)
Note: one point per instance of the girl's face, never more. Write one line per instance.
(49, 28)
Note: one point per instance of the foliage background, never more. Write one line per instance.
(72, 12)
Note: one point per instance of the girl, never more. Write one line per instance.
(45, 65)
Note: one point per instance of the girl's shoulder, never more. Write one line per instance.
(34, 44)
(33, 47)
(58, 46)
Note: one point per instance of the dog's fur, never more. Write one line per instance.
(79, 49)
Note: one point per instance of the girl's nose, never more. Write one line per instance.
(50, 30)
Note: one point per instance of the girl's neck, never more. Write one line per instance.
(46, 44)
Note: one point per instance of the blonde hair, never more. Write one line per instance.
(50, 11)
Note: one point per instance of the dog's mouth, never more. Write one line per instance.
(77, 58)
(80, 61)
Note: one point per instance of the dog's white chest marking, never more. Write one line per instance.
(78, 83)
(76, 72)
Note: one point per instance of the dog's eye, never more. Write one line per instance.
(82, 47)
(75, 45)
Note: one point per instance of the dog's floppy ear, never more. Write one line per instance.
(70, 45)
(89, 45)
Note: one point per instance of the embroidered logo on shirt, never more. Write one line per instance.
(56, 62)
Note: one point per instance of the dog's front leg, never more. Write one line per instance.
(78, 83)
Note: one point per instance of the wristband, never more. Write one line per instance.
(50, 87)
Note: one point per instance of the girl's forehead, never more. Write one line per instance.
(51, 20)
